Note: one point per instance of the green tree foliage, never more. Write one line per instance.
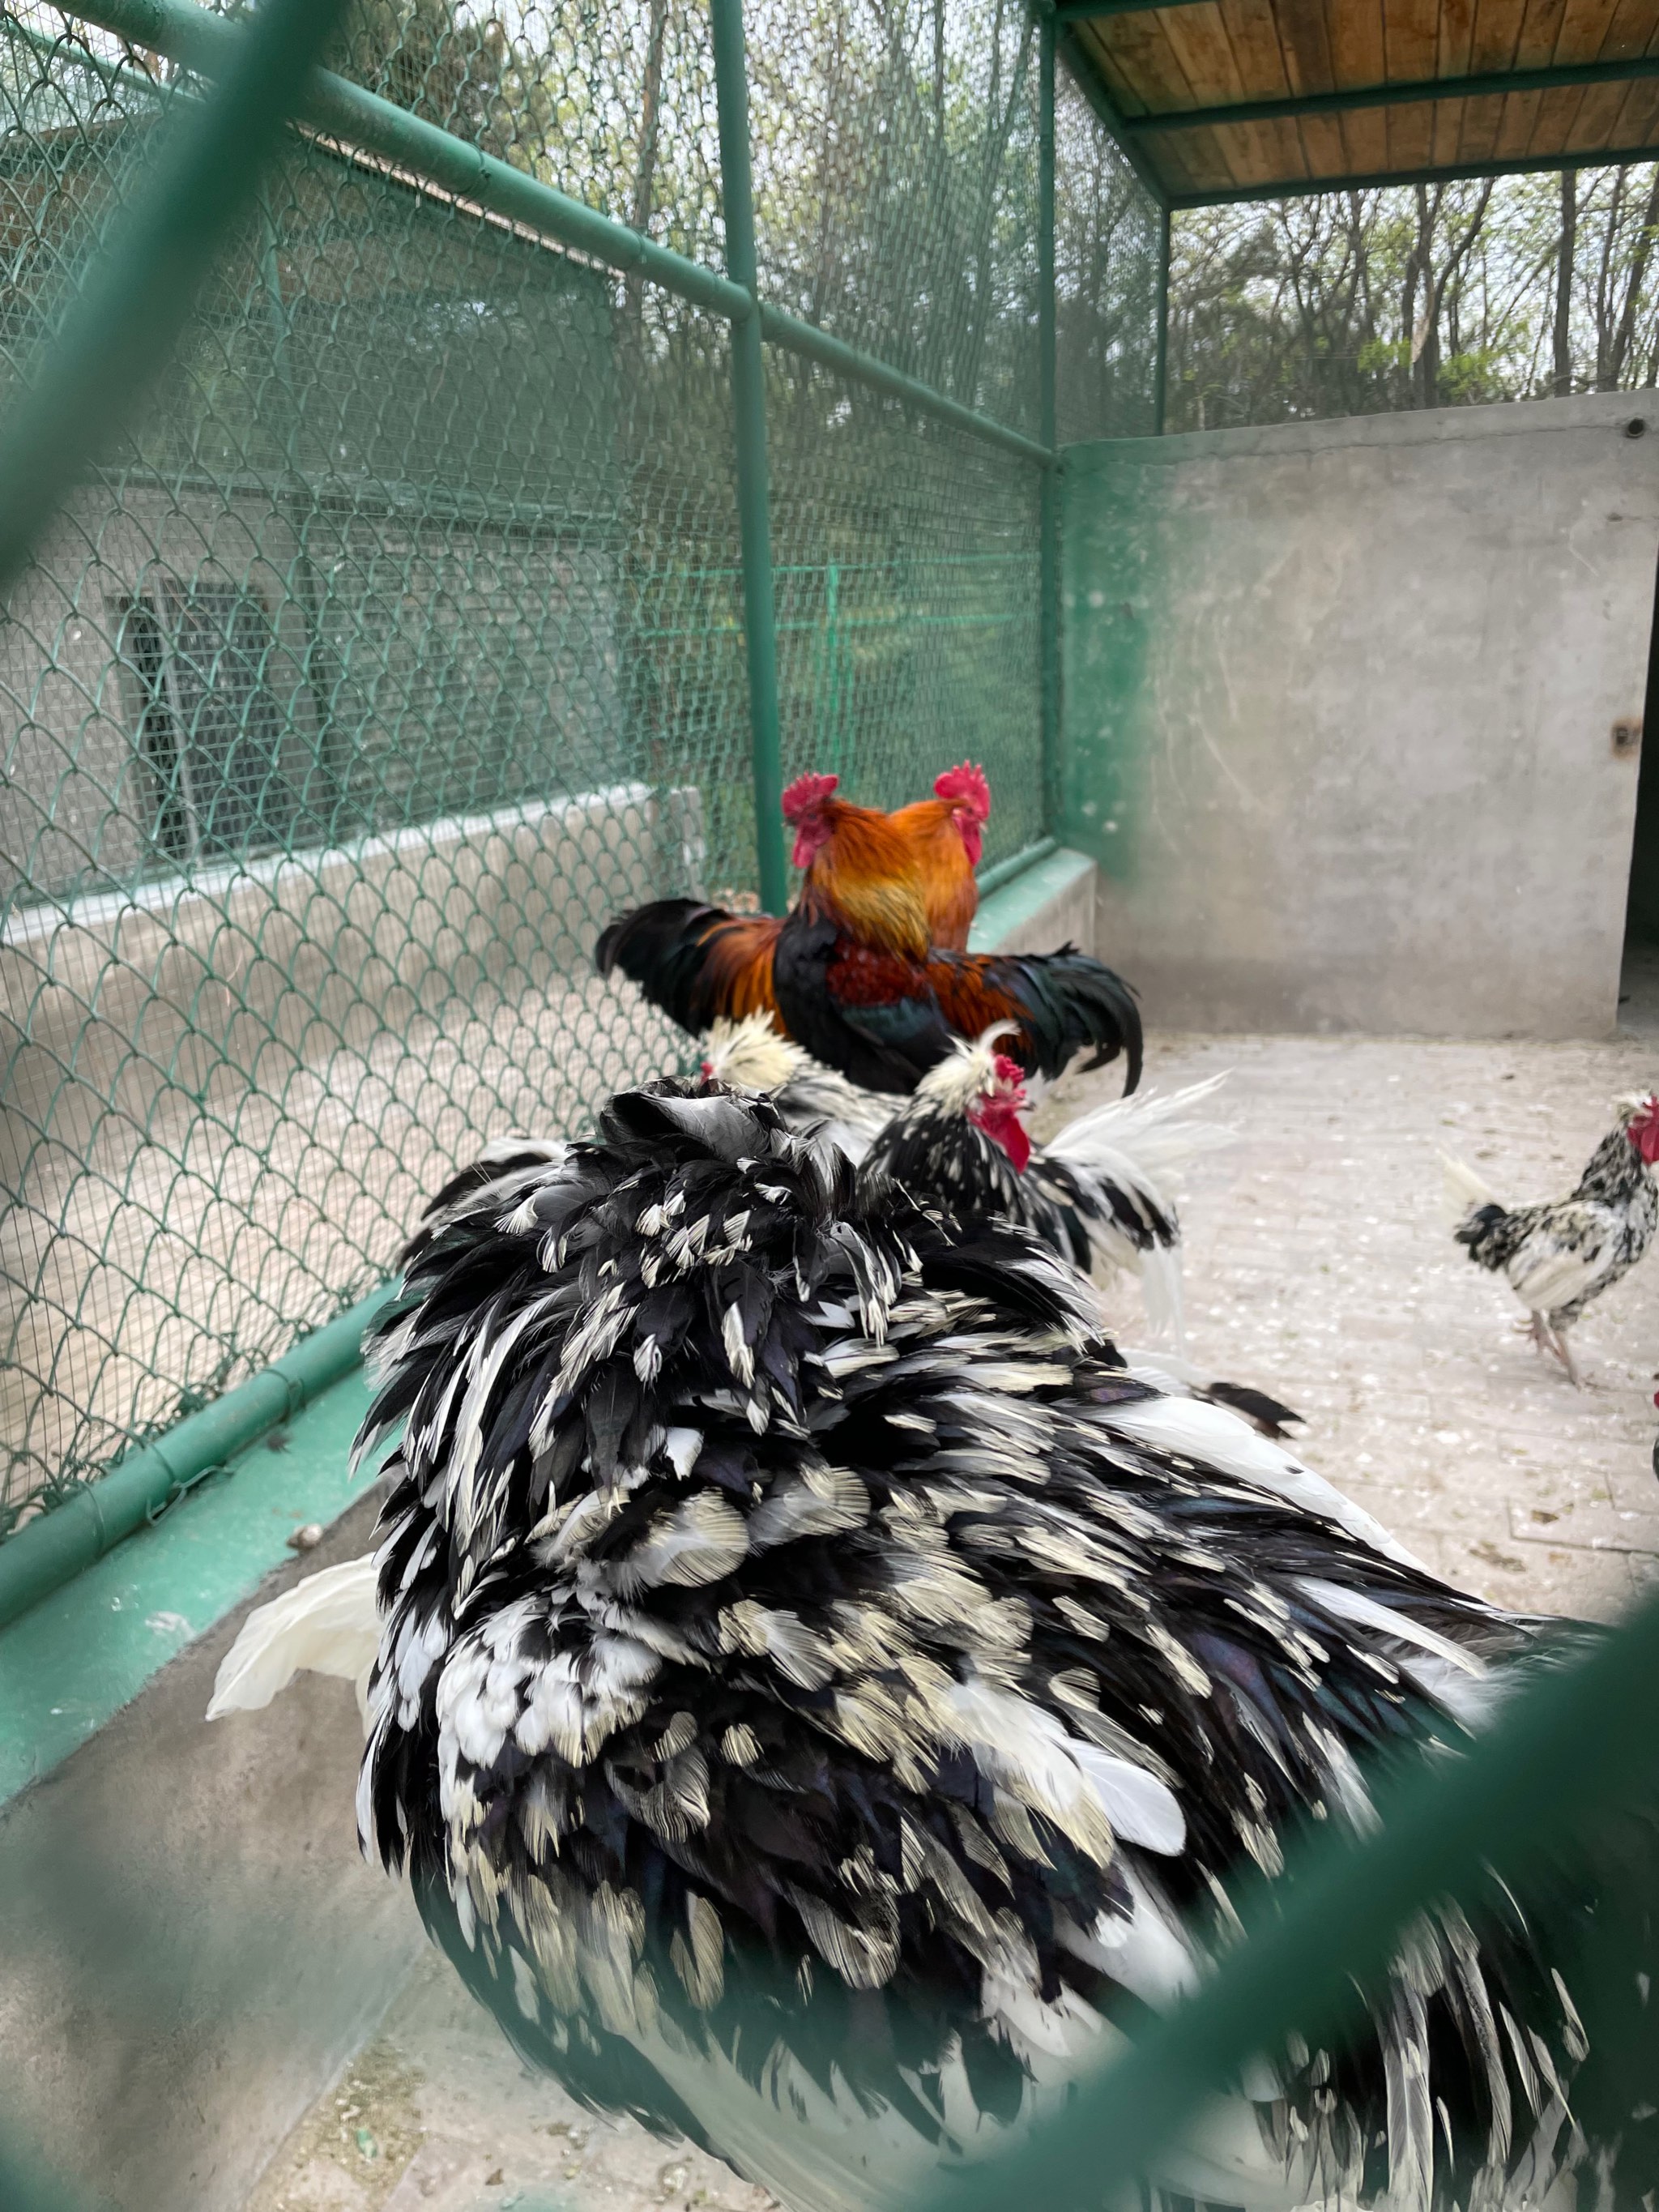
(434, 60)
(1416, 297)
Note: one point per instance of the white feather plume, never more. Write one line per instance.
(329, 1624)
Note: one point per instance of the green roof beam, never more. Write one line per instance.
(1086, 74)
(1492, 84)
(1521, 164)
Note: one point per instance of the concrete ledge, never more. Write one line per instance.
(233, 977)
(190, 1946)
(1048, 905)
(1438, 426)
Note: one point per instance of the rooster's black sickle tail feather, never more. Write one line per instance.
(1063, 1002)
(696, 962)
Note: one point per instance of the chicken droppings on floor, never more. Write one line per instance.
(1319, 1267)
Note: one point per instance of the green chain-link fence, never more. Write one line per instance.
(402, 642)
(277, 615)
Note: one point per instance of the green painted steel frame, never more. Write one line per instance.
(362, 121)
(1302, 188)
(1048, 522)
(1489, 84)
(749, 415)
(125, 313)
(1085, 72)
(53, 1549)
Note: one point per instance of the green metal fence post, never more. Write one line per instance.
(1161, 361)
(749, 408)
(1048, 495)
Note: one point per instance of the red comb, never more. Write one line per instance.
(805, 793)
(967, 782)
(1008, 1070)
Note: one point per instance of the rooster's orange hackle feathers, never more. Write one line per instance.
(945, 835)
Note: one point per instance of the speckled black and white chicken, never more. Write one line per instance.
(821, 1693)
(1559, 1255)
(1143, 1139)
(1098, 1192)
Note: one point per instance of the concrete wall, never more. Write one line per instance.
(191, 1947)
(1339, 708)
(314, 950)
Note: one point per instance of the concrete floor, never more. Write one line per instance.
(1320, 1266)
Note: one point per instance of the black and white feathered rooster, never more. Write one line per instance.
(1097, 1193)
(1557, 1257)
(817, 1103)
(821, 1694)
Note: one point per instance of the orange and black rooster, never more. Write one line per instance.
(700, 963)
(946, 835)
(851, 973)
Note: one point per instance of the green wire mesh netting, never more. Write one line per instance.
(1106, 268)
(401, 645)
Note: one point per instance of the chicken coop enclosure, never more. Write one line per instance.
(403, 641)
(601, 416)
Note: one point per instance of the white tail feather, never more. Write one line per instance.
(1136, 1141)
(1146, 1134)
(1464, 1188)
(329, 1624)
(1159, 1270)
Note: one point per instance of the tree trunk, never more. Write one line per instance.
(1564, 260)
(645, 169)
(1623, 335)
(1419, 270)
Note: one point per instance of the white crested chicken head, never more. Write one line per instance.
(1637, 1114)
(985, 1086)
(750, 1054)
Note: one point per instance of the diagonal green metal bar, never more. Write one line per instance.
(200, 42)
(1049, 495)
(778, 328)
(1577, 1741)
(1491, 84)
(188, 35)
(1086, 74)
(130, 305)
(1525, 165)
(748, 412)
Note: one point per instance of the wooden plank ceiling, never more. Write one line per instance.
(1552, 79)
